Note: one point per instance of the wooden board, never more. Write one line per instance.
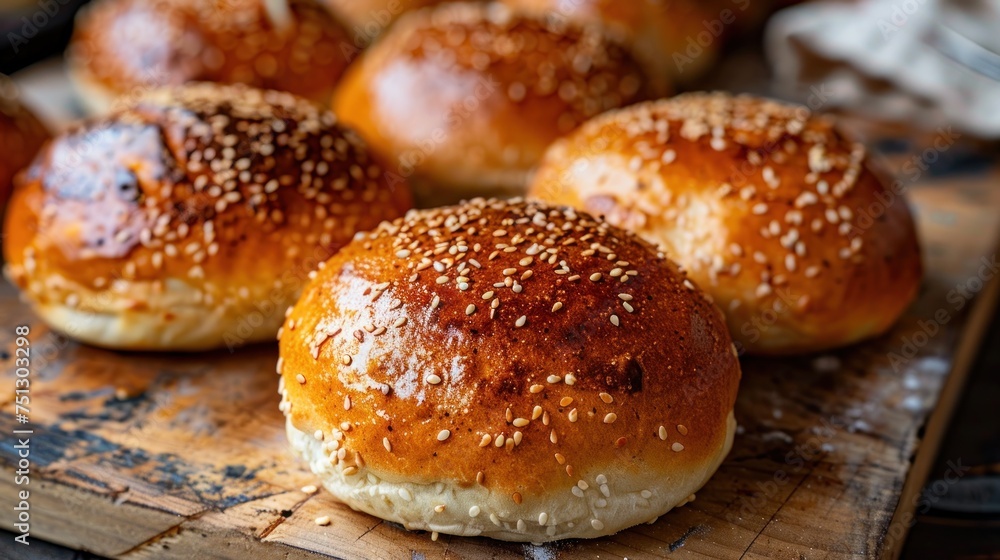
(184, 456)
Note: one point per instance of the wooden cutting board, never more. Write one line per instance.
(184, 456)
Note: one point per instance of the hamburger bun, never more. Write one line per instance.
(508, 369)
(796, 232)
(191, 219)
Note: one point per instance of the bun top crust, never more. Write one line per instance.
(225, 187)
(21, 136)
(765, 204)
(515, 344)
(139, 44)
(472, 93)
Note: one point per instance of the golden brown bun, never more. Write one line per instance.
(467, 97)
(126, 47)
(798, 236)
(669, 37)
(192, 219)
(21, 136)
(539, 374)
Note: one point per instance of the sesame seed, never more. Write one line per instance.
(300, 378)
(677, 446)
(536, 388)
(387, 444)
(488, 295)
(442, 280)
(433, 379)
(663, 433)
(443, 435)
(553, 379)
(470, 309)
(573, 415)
(557, 306)
(543, 518)
(577, 492)
(485, 440)
(439, 508)
(682, 429)
(517, 438)
(405, 494)
(474, 511)
(625, 297)
(597, 524)
(608, 399)
(347, 402)
(480, 477)
(435, 302)
(610, 418)
(323, 520)
(628, 307)
(646, 494)
(570, 379)
(759, 208)
(565, 401)
(403, 253)
(346, 360)
(536, 412)
(310, 489)
(596, 277)
(553, 437)
(520, 422)
(521, 321)
(499, 440)
(349, 471)
(399, 322)
(560, 459)
(509, 271)
(615, 321)
(516, 496)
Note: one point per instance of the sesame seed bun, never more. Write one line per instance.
(127, 47)
(467, 97)
(797, 234)
(507, 369)
(21, 136)
(192, 219)
(669, 37)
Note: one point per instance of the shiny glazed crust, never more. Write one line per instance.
(127, 47)
(192, 219)
(510, 369)
(798, 235)
(465, 98)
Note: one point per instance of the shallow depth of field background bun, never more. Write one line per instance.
(126, 47)
(790, 225)
(508, 369)
(466, 97)
(21, 136)
(192, 219)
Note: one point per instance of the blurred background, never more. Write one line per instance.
(906, 64)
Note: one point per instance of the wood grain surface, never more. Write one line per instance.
(184, 456)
